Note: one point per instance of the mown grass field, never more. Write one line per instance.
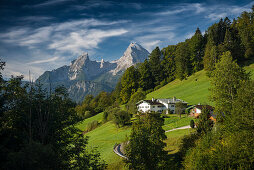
(174, 139)
(106, 135)
(193, 90)
(82, 125)
(174, 121)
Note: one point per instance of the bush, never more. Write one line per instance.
(87, 114)
(192, 124)
(121, 118)
(90, 126)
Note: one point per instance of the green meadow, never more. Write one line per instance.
(194, 90)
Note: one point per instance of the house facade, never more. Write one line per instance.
(159, 105)
(197, 110)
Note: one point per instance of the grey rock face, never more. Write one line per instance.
(85, 76)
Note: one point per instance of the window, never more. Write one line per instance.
(172, 105)
(153, 106)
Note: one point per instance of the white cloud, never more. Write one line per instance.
(84, 39)
(216, 16)
(74, 35)
(196, 7)
(43, 61)
(151, 44)
(50, 3)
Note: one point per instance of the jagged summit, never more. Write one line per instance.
(84, 76)
(135, 53)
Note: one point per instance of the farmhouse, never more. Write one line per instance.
(159, 105)
(197, 110)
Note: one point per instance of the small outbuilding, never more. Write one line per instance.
(197, 110)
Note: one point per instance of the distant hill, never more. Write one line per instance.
(84, 76)
(193, 90)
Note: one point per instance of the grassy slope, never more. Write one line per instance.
(82, 125)
(174, 139)
(104, 137)
(194, 90)
(175, 121)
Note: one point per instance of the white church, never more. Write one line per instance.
(159, 105)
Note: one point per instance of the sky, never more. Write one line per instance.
(40, 35)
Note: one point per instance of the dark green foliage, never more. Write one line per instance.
(245, 27)
(168, 63)
(121, 118)
(146, 81)
(137, 96)
(179, 108)
(93, 105)
(192, 124)
(230, 144)
(182, 60)
(155, 63)
(145, 148)
(225, 81)
(129, 83)
(118, 116)
(92, 125)
(196, 45)
(37, 130)
(204, 124)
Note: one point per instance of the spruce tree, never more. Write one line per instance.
(182, 60)
(196, 45)
(155, 65)
(129, 83)
(146, 80)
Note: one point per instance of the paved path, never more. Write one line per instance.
(117, 147)
(117, 150)
(183, 127)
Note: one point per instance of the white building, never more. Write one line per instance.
(158, 105)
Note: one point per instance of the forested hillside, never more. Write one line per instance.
(186, 58)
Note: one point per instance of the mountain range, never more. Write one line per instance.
(84, 76)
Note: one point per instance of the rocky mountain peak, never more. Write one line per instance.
(135, 53)
(84, 76)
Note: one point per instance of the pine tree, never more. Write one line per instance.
(182, 60)
(196, 45)
(155, 65)
(129, 82)
(168, 63)
(146, 81)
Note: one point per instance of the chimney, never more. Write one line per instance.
(152, 99)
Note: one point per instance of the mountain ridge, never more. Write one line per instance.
(84, 76)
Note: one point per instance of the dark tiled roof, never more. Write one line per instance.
(153, 102)
(201, 107)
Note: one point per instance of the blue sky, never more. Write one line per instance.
(44, 35)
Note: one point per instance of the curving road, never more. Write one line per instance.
(117, 150)
(117, 147)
